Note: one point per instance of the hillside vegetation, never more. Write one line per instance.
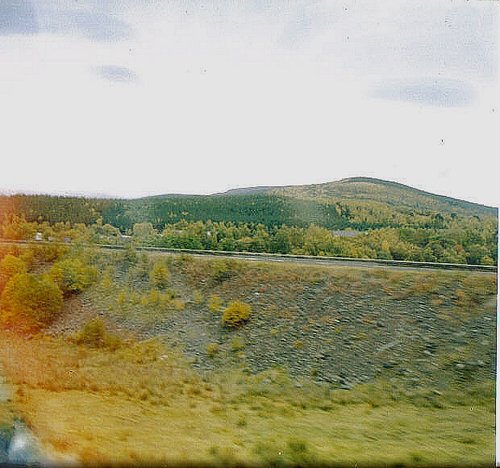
(167, 358)
(359, 217)
(399, 196)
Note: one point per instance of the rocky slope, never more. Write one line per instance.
(332, 324)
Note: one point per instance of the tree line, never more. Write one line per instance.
(456, 240)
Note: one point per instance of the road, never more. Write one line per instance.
(337, 261)
(297, 259)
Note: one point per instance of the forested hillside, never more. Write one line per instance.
(399, 196)
(382, 219)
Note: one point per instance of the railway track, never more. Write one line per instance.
(271, 257)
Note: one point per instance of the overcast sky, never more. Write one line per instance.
(134, 97)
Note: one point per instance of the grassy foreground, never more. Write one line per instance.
(142, 403)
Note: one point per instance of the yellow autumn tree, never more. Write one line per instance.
(30, 301)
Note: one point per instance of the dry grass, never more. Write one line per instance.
(6, 414)
(143, 404)
(293, 277)
(108, 428)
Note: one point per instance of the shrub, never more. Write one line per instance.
(297, 446)
(129, 254)
(298, 344)
(140, 271)
(299, 453)
(153, 297)
(135, 298)
(178, 304)
(9, 267)
(95, 335)
(214, 303)
(159, 275)
(221, 269)
(236, 314)
(107, 281)
(198, 297)
(237, 344)
(72, 275)
(123, 297)
(185, 259)
(30, 301)
(165, 301)
(49, 252)
(212, 349)
(27, 257)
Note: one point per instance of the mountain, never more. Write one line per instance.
(370, 189)
(249, 190)
(359, 203)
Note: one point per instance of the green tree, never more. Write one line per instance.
(318, 241)
(9, 267)
(476, 253)
(144, 232)
(17, 228)
(72, 275)
(30, 301)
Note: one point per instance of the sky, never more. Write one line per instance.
(136, 97)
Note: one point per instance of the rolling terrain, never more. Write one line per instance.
(293, 205)
(375, 190)
(333, 363)
(113, 350)
(318, 203)
(356, 218)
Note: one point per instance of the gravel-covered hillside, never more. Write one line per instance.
(332, 324)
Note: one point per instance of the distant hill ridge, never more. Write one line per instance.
(371, 189)
(359, 203)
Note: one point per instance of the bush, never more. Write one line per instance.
(72, 275)
(212, 349)
(299, 453)
(27, 256)
(95, 335)
(236, 314)
(107, 281)
(140, 270)
(48, 252)
(214, 303)
(222, 270)
(129, 254)
(159, 275)
(153, 297)
(178, 304)
(198, 297)
(30, 301)
(9, 267)
(237, 344)
(123, 297)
